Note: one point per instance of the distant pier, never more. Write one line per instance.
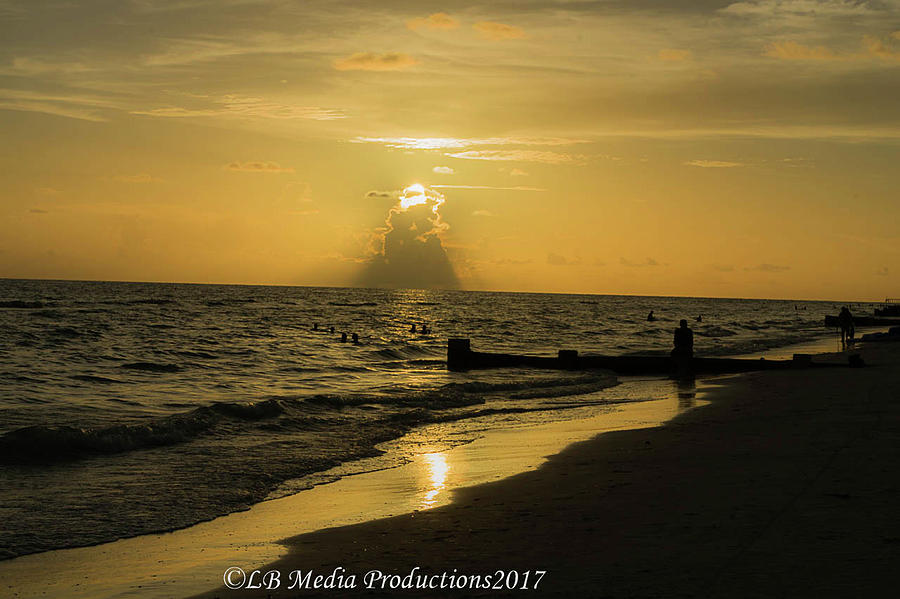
(461, 357)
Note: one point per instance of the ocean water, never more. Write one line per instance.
(129, 408)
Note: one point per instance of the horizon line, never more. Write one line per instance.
(134, 282)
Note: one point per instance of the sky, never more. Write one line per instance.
(654, 147)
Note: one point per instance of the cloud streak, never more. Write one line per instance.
(235, 106)
(436, 21)
(452, 143)
(519, 156)
(370, 61)
(138, 178)
(256, 166)
(790, 50)
(713, 163)
(488, 187)
(498, 31)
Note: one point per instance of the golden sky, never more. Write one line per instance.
(713, 148)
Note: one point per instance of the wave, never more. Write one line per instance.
(715, 331)
(49, 444)
(21, 304)
(196, 354)
(152, 301)
(230, 302)
(152, 367)
(67, 443)
(353, 304)
(90, 378)
(404, 353)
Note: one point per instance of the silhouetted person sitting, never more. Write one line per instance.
(355, 339)
(845, 320)
(684, 341)
(424, 329)
(650, 317)
(413, 329)
(315, 326)
(343, 337)
(699, 318)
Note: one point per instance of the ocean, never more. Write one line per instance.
(130, 408)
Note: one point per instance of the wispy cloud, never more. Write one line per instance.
(799, 8)
(498, 31)
(520, 156)
(76, 105)
(138, 178)
(245, 107)
(370, 61)
(443, 170)
(885, 50)
(438, 20)
(452, 143)
(482, 213)
(713, 163)
(489, 187)
(256, 166)
(873, 48)
(790, 50)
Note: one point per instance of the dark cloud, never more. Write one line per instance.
(765, 267)
(557, 260)
(648, 262)
(257, 166)
(409, 252)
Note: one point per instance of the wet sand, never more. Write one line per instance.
(785, 485)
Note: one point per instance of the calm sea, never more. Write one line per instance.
(128, 408)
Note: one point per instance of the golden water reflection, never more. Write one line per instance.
(436, 468)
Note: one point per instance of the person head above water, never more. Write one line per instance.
(683, 323)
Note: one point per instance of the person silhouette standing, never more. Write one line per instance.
(845, 320)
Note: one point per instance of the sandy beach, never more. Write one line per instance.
(783, 485)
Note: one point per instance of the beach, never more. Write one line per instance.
(782, 485)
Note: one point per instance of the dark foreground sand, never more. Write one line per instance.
(786, 485)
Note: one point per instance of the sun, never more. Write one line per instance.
(414, 195)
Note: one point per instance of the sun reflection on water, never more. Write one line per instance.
(436, 468)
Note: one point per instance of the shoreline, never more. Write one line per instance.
(191, 560)
(781, 485)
